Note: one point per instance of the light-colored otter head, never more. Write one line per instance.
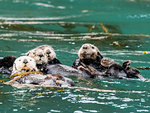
(88, 51)
(106, 62)
(24, 64)
(38, 55)
(49, 52)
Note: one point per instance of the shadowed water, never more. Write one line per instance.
(120, 29)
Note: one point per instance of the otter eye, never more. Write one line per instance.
(92, 47)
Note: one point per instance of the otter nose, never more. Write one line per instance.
(48, 52)
(41, 55)
(84, 47)
(25, 61)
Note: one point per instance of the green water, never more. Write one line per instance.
(66, 25)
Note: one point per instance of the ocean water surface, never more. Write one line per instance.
(119, 28)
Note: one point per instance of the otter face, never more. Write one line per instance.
(38, 55)
(49, 52)
(24, 64)
(106, 62)
(88, 51)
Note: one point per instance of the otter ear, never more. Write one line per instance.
(27, 54)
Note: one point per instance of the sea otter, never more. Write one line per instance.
(115, 70)
(89, 55)
(43, 55)
(132, 72)
(6, 64)
(26, 64)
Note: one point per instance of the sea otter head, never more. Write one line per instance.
(106, 62)
(89, 51)
(126, 64)
(49, 52)
(38, 55)
(24, 64)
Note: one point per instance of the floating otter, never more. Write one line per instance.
(132, 72)
(6, 64)
(26, 64)
(89, 55)
(115, 70)
(43, 55)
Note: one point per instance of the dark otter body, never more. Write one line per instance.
(90, 62)
(46, 80)
(125, 71)
(66, 71)
(132, 72)
(115, 71)
(6, 64)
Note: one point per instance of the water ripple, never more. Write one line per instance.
(49, 5)
(44, 18)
